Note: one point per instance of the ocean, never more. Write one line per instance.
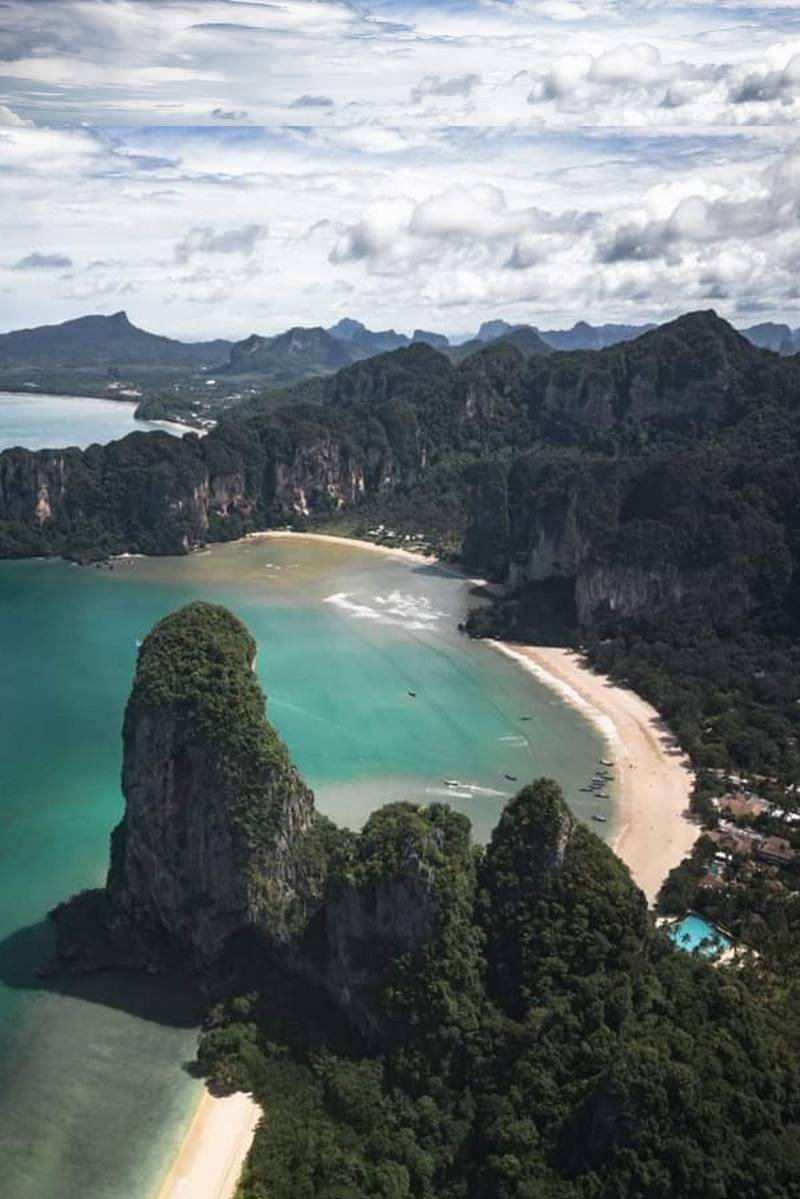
(94, 1088)
(38, 421)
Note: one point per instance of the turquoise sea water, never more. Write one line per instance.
(93, 1091)
(38, 421)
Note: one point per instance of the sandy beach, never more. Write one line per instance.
(653, 777)
(387, 550)
(210, 1159)
(653, 831)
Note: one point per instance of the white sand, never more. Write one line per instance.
(210, 1159)
(332, 539)
(653, 779)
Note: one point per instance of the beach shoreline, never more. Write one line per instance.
(653, 831)
(356, 542)
(210, 1158)
(652, 834)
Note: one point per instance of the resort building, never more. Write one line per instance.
(737, 804)
(775, 851)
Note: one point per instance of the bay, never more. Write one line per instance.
(37, 421)
(94, 1091)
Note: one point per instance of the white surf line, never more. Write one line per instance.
(601, 720)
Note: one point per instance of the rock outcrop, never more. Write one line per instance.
(620, 470)
(389, 909)
(220, 838)
(218, 833)
(146, 493)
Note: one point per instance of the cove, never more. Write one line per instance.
(94, 1093)
(38, 421)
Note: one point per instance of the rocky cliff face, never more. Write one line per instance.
(367, 926)
(220, 837)
(321, 477)
(636, 538)
(612, 593)
(395, 908)
(218, 830)
(34, 487)
(146, 493)
(696, 368)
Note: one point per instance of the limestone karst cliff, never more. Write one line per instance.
(220, 838)
(218, 832)
(653, 475)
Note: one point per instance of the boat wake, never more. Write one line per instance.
(461, 790)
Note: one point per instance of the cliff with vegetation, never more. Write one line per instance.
(219, 833)
(421, 1017)
(648, 490)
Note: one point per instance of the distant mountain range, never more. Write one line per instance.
(103, 340)
(108, 344)
(580, 337)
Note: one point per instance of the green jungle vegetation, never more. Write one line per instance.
(196, 665)
(548, 1043)
(665, 467)
(668, 462)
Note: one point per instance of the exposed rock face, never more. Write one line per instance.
(218, 827)
(33, 487)
(612, 593)
(399, 903)
(146, 493)
(692, 368)
(367, 926)
(220, 836)
(319, 477)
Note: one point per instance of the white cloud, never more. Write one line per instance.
(37, 261)
(412, 228)
(635, 85)
(202, 239)
(7, 117)
(408, 61)
(434, 85)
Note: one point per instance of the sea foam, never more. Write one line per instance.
(406, 611)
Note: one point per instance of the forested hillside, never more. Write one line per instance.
(422, 1018)
(642, 498)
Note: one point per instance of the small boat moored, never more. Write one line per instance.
(599, 819)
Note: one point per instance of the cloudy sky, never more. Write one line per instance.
(223, 167)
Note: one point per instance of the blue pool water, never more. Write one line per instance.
(693, 933)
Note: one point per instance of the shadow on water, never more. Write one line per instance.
(172, 1002)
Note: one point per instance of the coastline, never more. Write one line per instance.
(652, 834)
(333, 539)
(210, 1158)
(653, 831)
(654, 779)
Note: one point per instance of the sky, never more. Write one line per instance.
(222, 167)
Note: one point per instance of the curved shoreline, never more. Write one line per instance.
(653, 830)
(652, 834)
(210, 1159)
(654, 781)
(354, 542)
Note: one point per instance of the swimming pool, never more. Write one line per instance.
(694, 934)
